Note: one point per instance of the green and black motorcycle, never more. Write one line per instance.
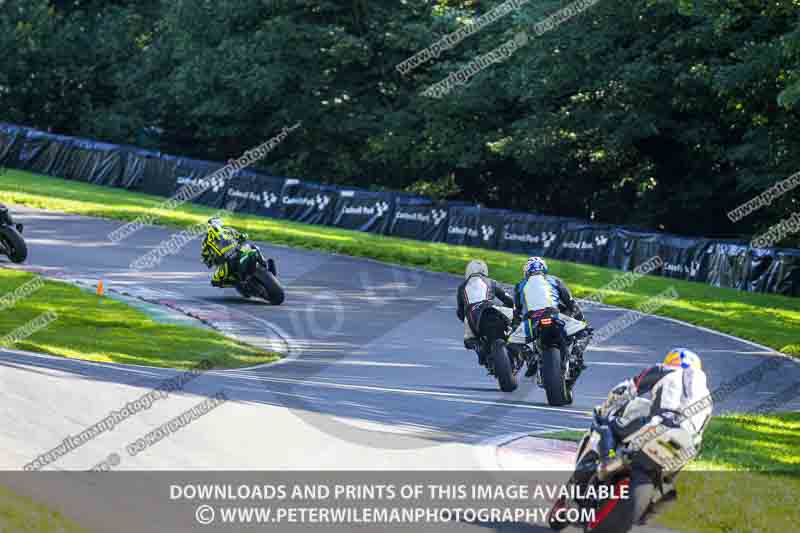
(12, 244)
(256, 276)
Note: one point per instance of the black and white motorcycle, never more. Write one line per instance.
(625, 480)
(12, 244)
(554, 355)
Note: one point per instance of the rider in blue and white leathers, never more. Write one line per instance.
(539, 290)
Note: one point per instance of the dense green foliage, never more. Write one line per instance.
(665, 114)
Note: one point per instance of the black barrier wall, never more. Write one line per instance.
(363, 211)
(419, 218)
(720, 263)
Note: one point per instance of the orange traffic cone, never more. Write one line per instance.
(100, 290)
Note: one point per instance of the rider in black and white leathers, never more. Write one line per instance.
(476, 308)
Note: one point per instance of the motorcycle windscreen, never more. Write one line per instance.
(638, 407)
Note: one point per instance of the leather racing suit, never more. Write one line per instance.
(541, 291)
(475, 308)
(679, 396)
(221, 248)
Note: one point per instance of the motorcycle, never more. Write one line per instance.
(500, 356)
(555, 355)
(622, 483)
(259, 276)
(11, 242)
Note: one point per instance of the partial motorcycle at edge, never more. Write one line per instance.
(638, 472)
(12, 244)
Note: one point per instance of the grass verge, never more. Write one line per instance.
(567, 435)
(96, 328)
(768, 319)
(747, 477)
(22, 515)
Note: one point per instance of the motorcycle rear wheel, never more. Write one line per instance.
(502, 367)
(14, 244)
(555, 386)
(271, 287)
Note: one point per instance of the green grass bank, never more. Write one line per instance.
(768, 319)
(746, 479)
(82, 325)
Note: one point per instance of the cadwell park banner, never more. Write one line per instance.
(721, 263)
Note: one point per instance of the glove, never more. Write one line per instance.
(622, 393)
(670, 419)
(624, 390)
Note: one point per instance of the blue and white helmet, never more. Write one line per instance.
(534, 265)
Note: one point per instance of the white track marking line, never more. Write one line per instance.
(356, 362)
(447, 396)
(603, 363)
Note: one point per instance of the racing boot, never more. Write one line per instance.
(666, 501)
(577, 356)
(481, 356)
(471, 343)
(533, 366)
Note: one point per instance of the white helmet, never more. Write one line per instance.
(476, 266)
(683, 358)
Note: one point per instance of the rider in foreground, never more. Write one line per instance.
(221, 248)
(679, 410)
(476, 310)
(539, 290)
(674, 385)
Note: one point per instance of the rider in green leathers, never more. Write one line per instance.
(221, 248)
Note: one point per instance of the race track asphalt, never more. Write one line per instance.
(376, 378)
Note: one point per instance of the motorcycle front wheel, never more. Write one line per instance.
(14, 244)
(614, 515)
